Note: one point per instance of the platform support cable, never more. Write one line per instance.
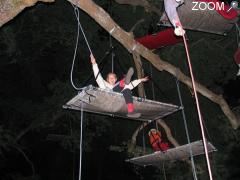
(164, 172)
(143, 139)
(80, 144)
(186, 130)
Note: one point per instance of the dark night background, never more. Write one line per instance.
(40, 141)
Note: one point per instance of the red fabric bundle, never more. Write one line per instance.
(161, 39)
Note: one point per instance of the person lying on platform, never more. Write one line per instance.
(124, 86)
(156, 141)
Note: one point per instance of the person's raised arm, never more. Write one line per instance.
(99, 79)
(93, 60)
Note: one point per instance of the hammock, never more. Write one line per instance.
(100, 101)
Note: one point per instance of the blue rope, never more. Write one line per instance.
(80, 144)
(76, 12)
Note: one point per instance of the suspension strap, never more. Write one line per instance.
(186, 130)
(198, 108)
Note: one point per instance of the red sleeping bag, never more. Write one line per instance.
(161, 39)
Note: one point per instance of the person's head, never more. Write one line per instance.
(154, 131)
(111, 78)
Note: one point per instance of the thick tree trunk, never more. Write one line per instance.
(9, 9)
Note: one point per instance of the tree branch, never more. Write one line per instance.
(140, 73)
(125, 38)
(132, 143)
(11, 8)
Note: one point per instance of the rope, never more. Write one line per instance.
(112, 54)
(144, 145)
(186, 130)
(76, 12)
(153, 91)
(79, 24)
(198, 108)
(73, 149)
(74, 56)
(100, 68)
(164, 173)
(80, 146)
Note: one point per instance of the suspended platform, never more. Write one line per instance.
(173, 154)
(96, 100)
(212, 21)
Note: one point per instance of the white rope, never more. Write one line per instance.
(74, 56)
(198, 108)
(76, 12)
(79, 24)
(80, 144)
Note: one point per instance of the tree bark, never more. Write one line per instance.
(132, 143)
(140, 74)
(9, 10)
